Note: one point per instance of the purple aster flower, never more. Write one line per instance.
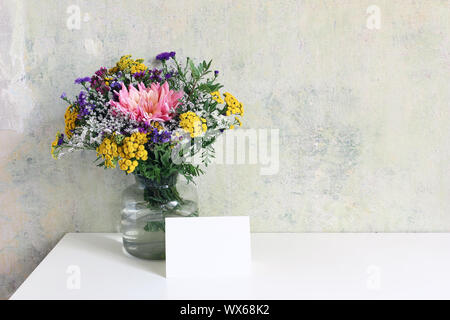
(82, 80)
(165, 56)
(83, 112)
(138, 75)
(155, 75)
(116, 86)
(82, 99)
(162, 137)
(168, 75)
(63, 96)
(144, 127)
(61, 139)
(165, 136)
(83, 105)
(156, 72)
(216, 73)
(155, 135)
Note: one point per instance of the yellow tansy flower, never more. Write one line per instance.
(132, 150)
(129, 65)
(55, 144)
(192, 124)
(108, 150)
(216, 97)
(70, 118)
(233, 105)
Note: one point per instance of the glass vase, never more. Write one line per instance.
(145, 206)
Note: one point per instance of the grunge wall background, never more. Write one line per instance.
(359, 91)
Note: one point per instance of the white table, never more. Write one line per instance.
(284, 266)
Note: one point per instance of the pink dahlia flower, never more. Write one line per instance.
(154, 103)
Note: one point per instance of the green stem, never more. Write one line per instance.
(157, 197)
(160, 196)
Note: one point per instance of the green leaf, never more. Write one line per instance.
(165, 159)
(194, 70)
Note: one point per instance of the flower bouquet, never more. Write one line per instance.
(149, 123)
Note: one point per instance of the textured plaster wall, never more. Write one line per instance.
(363, 114)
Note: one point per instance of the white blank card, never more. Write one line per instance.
(207, 247)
